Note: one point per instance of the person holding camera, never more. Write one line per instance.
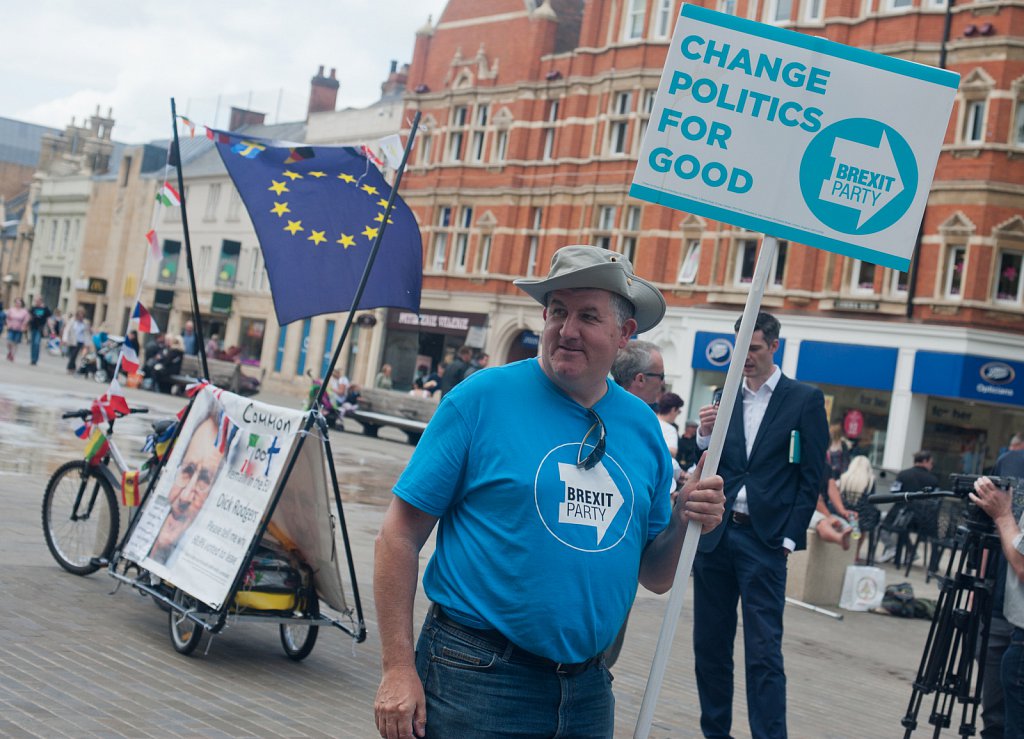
(998, 504)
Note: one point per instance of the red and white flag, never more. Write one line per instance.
(154, 244)
(146, 323)
(129, 358)
(368, 152)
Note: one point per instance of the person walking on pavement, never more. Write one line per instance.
(773, 463)
(17, 321)
(550, 486)
(40, 317)
(77, 336)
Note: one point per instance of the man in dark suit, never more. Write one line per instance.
(772, 463)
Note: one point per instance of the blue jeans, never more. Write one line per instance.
(37, 338)
(477, 687)
(1013, 685)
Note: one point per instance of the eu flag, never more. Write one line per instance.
(316, 219)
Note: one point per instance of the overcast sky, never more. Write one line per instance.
(62, 58)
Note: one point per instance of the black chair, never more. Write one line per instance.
(899, 521)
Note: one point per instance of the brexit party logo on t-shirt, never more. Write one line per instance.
(588, 510)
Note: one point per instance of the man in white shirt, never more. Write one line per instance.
(772, 463)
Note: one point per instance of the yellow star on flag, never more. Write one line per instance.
(346, 177)
(370, 233)
(280, 209)
(380, 218)
(293, 227)
(292, 175)
(278, 187)
(382, 203)
(318, 174)
(317, 237)
(346, 241)
(369, 189)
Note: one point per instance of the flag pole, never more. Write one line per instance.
(369, 263)
(769, 246)
(197, 323)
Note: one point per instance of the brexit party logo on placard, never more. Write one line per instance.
(794, 136)
(858, 176)
(587, 510)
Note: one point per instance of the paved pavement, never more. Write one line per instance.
(80, 658)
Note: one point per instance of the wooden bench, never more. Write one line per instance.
(226, 375)
(393, 408)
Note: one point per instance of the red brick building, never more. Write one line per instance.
(533, 113)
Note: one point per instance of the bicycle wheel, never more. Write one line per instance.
(80, 517)
(185, 633)
(298, 639)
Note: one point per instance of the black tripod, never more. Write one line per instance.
(962, 617)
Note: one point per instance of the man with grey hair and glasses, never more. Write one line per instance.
(549, 485)
(639, 369)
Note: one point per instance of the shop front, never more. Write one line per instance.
(428, 338)
(974, 405)
(857, 381)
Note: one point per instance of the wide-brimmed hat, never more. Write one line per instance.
(582, 266)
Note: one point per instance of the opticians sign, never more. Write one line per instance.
(795, 136)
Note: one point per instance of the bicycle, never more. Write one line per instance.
(81, 518)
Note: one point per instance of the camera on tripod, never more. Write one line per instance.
(963, 485)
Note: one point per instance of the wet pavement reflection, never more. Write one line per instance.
(35, 440)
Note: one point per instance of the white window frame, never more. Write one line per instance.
(855, 269)
(501, 145)
(439, 246)
(974, 120)
(483, 257)
(460, 251)
(895, 289)
(1020, 280)
(775, 15)
(234, 205)
(951, 254)
(899, 6)
(618, 124)
(661, 22)
(549, 132)
(777, 277)
(690, 264)
(727, 6)
(479, 134)
(212, 201)
(740, 252)
(814, 10)
(634, 20)
(1017, 132)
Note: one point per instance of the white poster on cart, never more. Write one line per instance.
(197, 525)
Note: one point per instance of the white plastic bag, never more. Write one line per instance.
(863, 588)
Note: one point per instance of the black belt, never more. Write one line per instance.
(740, 519)
(510, 651)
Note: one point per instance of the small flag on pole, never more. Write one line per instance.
(82, 432)
(190, 125)
(154, 244)
(146, 323)
(129, 357)
(391, 148)
(168, 196)
(130, 488)
(369, 154)
(96, 448)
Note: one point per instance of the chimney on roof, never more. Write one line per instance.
(242, 117)
(323, 92)
(394, 86)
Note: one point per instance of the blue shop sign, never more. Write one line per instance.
(969, 376)
(713, 351)
(849, 365)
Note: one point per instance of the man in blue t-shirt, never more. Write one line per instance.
(549, 486)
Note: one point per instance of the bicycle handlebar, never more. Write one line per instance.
(85, 413)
